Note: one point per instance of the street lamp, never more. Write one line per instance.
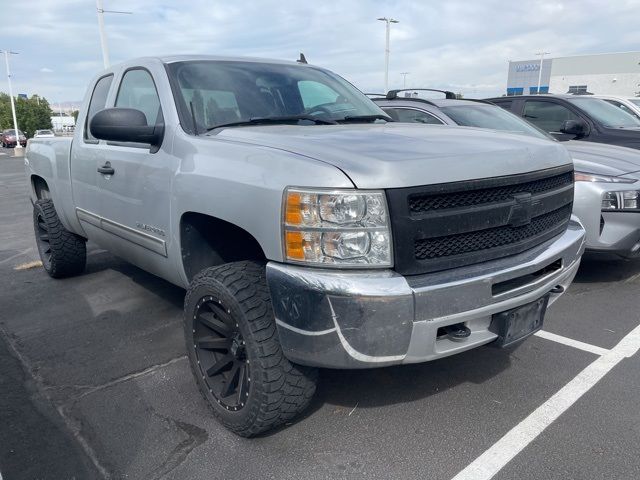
(103, 35)
(542, 54)
(404, 78)
(388, 22)
(18, 151)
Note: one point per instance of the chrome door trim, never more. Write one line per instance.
(132, 235)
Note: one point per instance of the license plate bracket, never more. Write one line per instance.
(513, 326)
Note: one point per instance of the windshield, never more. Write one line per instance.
(226, 92)
(605, 113)
(495, 118)
(13, 132)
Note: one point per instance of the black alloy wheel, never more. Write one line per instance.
(235, 354)
(221, 354)
(43, 241)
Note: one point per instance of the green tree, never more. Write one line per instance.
(75, 114)
(32, 113)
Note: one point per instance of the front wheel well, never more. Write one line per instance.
(207, 241)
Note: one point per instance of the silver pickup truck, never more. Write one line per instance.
(308, 228)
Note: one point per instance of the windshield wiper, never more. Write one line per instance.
(274, 120)
(364, 118)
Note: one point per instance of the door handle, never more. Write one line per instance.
(106, 169)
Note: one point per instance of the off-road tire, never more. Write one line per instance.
(65, 253)
(278, 390)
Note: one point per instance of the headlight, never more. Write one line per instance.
(626, 200)
(594, 177)
(336, 228)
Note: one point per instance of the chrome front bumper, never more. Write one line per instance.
(364, 319)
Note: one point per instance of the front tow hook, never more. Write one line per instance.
(557, 289)
(457, 331)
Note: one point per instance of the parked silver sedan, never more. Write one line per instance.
(607, 188)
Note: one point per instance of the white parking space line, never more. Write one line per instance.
(587, 347)
(495, 458)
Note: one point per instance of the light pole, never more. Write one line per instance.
(18, 151)
(404, 78)
(103, 35)
(542, 54)
(388, 22)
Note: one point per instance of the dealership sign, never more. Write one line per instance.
(528, 67)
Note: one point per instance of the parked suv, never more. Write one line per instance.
(607, 176)
(576, 117)
(8, 138)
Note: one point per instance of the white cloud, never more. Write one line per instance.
(457, 44)
(46, 70)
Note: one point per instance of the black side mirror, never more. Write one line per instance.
(126, 125)
(574, 127)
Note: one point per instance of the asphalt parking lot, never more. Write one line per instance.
(94, 383)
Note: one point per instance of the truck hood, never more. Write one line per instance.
(603, 159)
(401, 154)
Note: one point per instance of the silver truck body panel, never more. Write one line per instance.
(400, 155)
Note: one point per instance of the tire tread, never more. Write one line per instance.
(68, 250)
(285, 389)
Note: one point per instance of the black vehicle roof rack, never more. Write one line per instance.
(393, 94)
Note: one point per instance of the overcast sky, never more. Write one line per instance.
(460, 45)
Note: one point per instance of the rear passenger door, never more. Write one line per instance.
(87, 154)
(135, 198)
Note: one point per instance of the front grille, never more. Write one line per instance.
(490, 238)
(425, 203)
(451, 225)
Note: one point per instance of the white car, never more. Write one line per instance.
(43, 134)
(629, 105)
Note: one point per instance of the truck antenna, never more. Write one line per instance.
(302, 58)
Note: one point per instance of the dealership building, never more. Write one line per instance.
(605, 73)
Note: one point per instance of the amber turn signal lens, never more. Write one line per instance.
(294, 245)
(293, 213)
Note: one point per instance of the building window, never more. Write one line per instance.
(515, 91)
(534, 90)
(577, 89)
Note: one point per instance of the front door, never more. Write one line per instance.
(549, 116)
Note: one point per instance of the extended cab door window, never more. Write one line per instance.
(410, 115)
(98, 102)
(137, 90)
(549, 116)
